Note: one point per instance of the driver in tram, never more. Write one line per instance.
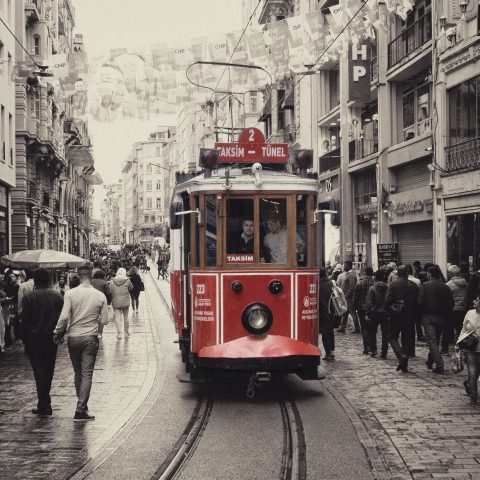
(243, 243)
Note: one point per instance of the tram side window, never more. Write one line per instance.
(240, 226)
(273, 215)
(210, 231)
(301, 230)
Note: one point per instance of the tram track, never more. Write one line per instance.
(187, 442)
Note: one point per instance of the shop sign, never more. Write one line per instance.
(411, 207)
(387, 252)
(359, 73)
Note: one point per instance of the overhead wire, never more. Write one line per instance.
(20, 43)
(303, 75)
(223, 73)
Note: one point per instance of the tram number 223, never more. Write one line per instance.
(313, 288)
(201, 288)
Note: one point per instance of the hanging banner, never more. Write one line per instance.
(359, 72)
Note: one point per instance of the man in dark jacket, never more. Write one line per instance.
(360, 305)
(377, 314)
(327, 318)
(401, 303)
(40, 311)
(436, 302)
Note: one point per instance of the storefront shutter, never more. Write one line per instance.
(415, 242)
(413, 175)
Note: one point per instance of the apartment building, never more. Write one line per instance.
(7, 123)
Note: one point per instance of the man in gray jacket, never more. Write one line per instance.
(84, 307)
(347, 284)
(458, 285)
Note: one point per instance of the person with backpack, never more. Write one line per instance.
(138, 287)
(377, 314)
(328, 319)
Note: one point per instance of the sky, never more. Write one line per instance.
(108, 24)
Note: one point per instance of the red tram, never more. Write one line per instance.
(243, 268)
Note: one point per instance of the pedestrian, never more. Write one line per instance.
(84, 307)
(11, 287)
(436, 302)
(401, 304)
(24, 289)
(138, 287)
(377, 314)
(473, 290)
(337, 271)
(392, 272)
(418, 317)
(465, 270)
(4, 313)
(120, 287)
(101, 285)
(41, 309)
(347, 283)
(360, 305)
(327, 316)
(458, 285)
(417, 267)
(471, 325)
(61, 287)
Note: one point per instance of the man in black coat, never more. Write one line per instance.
(244, 243)
(401, 304)
(436, 302)
(40, 311)
(327, 320)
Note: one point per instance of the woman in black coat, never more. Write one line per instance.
(138, 287)
(327, 320)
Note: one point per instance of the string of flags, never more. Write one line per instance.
(142, 82)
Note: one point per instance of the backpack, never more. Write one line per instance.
(337, 304)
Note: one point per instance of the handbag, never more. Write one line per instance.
(468, 343)
(457, 361)
(141, 286)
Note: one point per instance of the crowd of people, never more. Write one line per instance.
(408, 303)
(40, 307)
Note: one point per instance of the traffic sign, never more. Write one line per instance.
(251, 148)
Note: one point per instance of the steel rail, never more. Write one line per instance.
(187, 442)
(294, 447)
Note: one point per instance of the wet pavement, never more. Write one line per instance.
(418, 425)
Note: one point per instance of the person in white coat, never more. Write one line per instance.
(120, 288)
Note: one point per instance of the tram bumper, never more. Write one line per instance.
(263, 352)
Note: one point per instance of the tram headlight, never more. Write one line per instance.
(257, 318)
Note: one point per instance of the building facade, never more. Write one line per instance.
(146, 181)
(51, 200)
(7, 123)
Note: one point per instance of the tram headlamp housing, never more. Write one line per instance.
(257, 318)
(303, 159)
(209, 158)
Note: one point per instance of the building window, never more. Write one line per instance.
(152, 218)
(159, 203)
(149, 185)
(11, 136)
(36, 45)
(158, 152)
(149, 168)
(464, 111)
(2, 133)
(253, 102)
(149, 203)
(416, 111)
(159, 185)
(146, 218)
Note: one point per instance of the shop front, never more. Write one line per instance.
(328, 222)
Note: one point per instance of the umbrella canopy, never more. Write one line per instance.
(49, 259)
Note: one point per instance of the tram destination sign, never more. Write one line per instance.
(251, 148)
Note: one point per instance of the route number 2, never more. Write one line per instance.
(251, 136)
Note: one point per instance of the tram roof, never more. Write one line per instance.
(243, 179)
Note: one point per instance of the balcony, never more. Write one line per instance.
(32, 11)
(361, 148)
(410, 40)
(463, 156)
(330, 161)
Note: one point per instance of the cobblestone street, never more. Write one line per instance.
(421, 423)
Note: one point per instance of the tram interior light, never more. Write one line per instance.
(303, 159)
(209, 158)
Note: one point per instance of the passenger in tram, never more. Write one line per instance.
(276, 240)
(243, 242)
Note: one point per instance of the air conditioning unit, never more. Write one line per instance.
(392, 188)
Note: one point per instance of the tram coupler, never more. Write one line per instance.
(255, 381)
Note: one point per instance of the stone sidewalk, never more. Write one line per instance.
(54, 447)
(421, 424)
